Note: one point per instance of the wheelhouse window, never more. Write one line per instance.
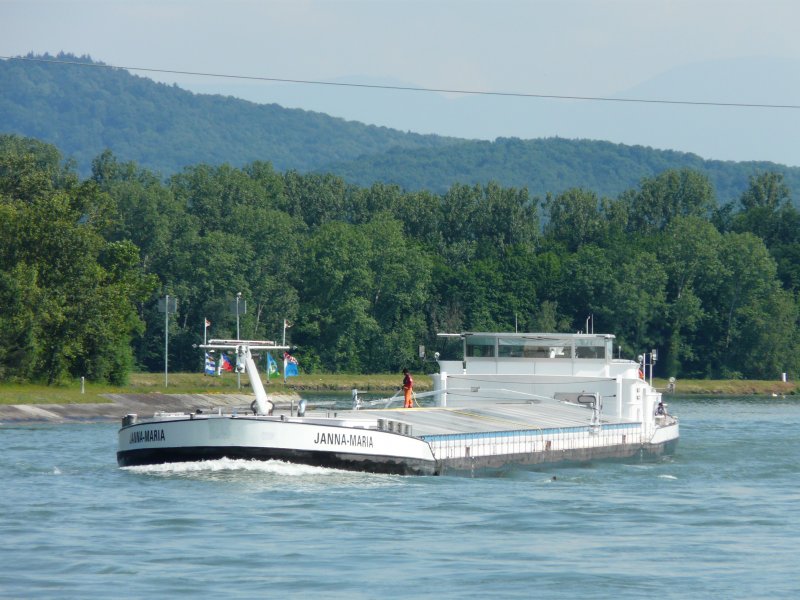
(521, 348)
(590, 348)
(569, 347)
(478, 347)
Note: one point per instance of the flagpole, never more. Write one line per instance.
(166, 340)
(286, 325)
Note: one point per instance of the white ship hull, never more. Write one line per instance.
(361, 447)
(335, 445)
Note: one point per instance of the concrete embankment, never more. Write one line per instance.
(120, 405)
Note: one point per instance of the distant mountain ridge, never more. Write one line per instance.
(83, 110)
(550, 165)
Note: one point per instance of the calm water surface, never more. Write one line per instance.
(720, 519)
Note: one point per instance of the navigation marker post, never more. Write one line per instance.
(167, 305)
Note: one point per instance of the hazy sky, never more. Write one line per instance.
(560, 47)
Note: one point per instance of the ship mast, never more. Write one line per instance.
(244, 357)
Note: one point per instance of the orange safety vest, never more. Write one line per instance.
(408, 384)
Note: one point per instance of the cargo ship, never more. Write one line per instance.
(511, 399)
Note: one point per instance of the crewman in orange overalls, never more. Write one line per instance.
(408, 384)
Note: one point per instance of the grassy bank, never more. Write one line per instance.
(732, 387)
(195, 383)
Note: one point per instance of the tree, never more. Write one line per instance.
(318, 199)
(575, 219)
(588, 286)
(335, 303)
(688, 251)
(740, 295)
(638, 301)
(767, 344)
(768, 213)
(74, 291)
(400, 286)
(765, 190)
(669, 195)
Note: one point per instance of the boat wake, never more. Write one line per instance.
(275, 467)
(269, 473)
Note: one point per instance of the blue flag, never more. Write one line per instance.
(272, 367)
(211, 367)
(289, 365)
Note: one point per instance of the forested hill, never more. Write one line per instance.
(85, 110)
(551, 166)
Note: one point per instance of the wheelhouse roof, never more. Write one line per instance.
(530, 336)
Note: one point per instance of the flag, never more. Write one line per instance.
(290, 365)
(225, 363)
(272, 367)
(211, 366)
(208, 323)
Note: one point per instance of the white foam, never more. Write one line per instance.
(276, 467)
(268, 474)
(667, 477)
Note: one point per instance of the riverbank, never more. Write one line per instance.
(198, 384)
(142, 384)
(732, 387)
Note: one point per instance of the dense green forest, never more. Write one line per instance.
(366, 274)
(85, 108)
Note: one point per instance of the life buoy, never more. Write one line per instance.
(641, 374)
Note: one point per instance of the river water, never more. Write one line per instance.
(719, 519)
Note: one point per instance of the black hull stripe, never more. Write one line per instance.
(335, 460)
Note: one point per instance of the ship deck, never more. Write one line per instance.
(478, 417)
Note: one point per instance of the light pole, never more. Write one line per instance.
(239, 307)
(167, 305)
(238, 298)
(166, 340)
(238, 373)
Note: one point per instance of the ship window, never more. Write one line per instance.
(517, 348)
(560, 351)
(592, 348)
(511, 348)
(480, 347)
